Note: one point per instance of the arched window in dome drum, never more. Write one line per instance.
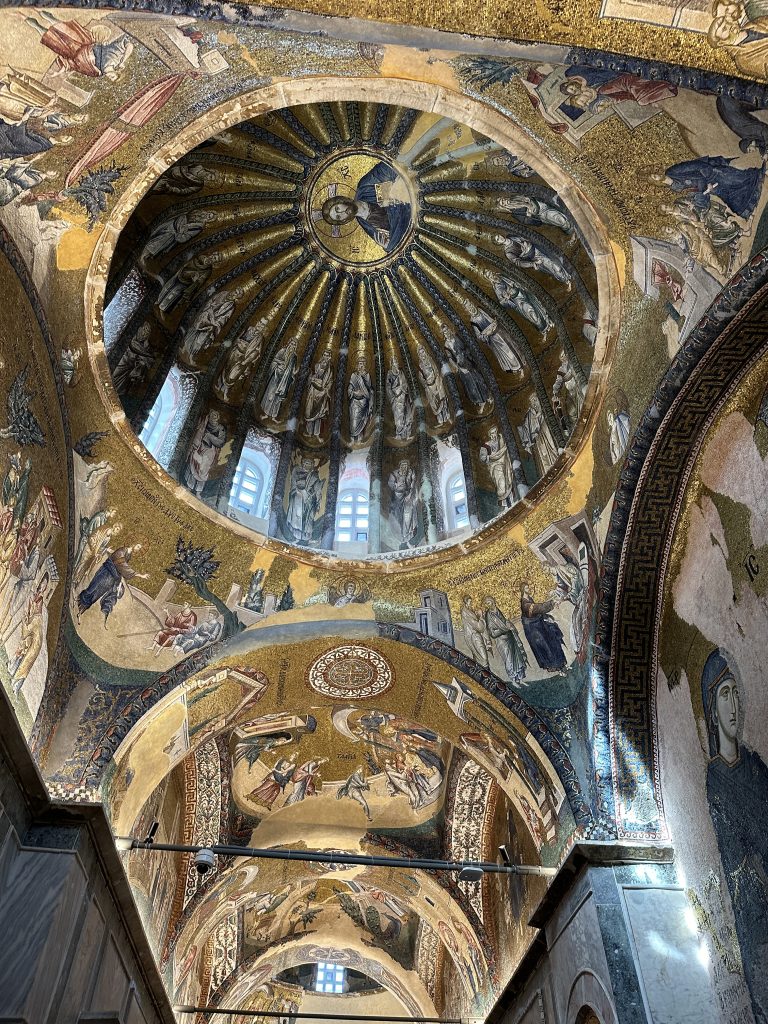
(251, 484)
(330, 978)
(352, 517)
(247, 487)
(456, 491)
(161, 416)
(122, 306)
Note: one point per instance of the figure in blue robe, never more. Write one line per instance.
(542, 632)
(737, 792)
(739, 188)
(108, 585)
(383, 217)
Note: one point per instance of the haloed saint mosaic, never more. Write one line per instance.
(360, 208)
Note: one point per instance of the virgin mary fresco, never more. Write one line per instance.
(737, 784)
(381, 206)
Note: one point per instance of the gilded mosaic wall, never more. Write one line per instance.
(228, 685)
(34, 521)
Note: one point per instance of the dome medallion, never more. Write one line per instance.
(360, 209)
(353, 327)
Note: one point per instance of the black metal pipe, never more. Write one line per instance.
(332, 857)
(287, 1015)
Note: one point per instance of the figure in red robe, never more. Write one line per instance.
(174, 626)
(87, 52)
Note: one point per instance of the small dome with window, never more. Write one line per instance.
(354, 327)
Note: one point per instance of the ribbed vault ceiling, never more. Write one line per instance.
(353, 297)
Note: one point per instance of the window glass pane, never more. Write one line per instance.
(352, 512)
(160, 415)
(247, 485)
(122, 307)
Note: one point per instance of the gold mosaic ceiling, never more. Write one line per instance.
(353, 297)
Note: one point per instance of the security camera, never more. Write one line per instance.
(204, 861)
(505, 856)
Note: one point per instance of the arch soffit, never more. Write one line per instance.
(717, 355)
(193, 928)
(405, 986)
(137, 720)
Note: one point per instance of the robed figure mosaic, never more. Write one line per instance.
(737, 793)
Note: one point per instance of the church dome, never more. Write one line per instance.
(353, 326)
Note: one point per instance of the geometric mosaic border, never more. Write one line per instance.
(719, 352)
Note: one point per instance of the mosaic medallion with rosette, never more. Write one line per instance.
(351, 672)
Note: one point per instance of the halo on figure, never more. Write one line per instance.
(321, 202)
(616, 402)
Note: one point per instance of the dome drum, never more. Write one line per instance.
(353, 327)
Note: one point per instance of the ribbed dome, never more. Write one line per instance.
(353, 326)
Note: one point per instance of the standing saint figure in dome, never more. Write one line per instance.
(434, 388)
(521, 301)
(488, 332)
(280, 377)
(317, 404)
(187, 279)
(567, 394)
(241, 357)
(135, 362)
(360, 394)
(522, 252)
(462, 364)
(210, 437)
(175, 231)
(400, 400)
(404, 502)
(536, 212)
(209, 322)
(495, 456)
(304, 498)
(536, 436)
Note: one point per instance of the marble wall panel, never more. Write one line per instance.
(675, 980)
